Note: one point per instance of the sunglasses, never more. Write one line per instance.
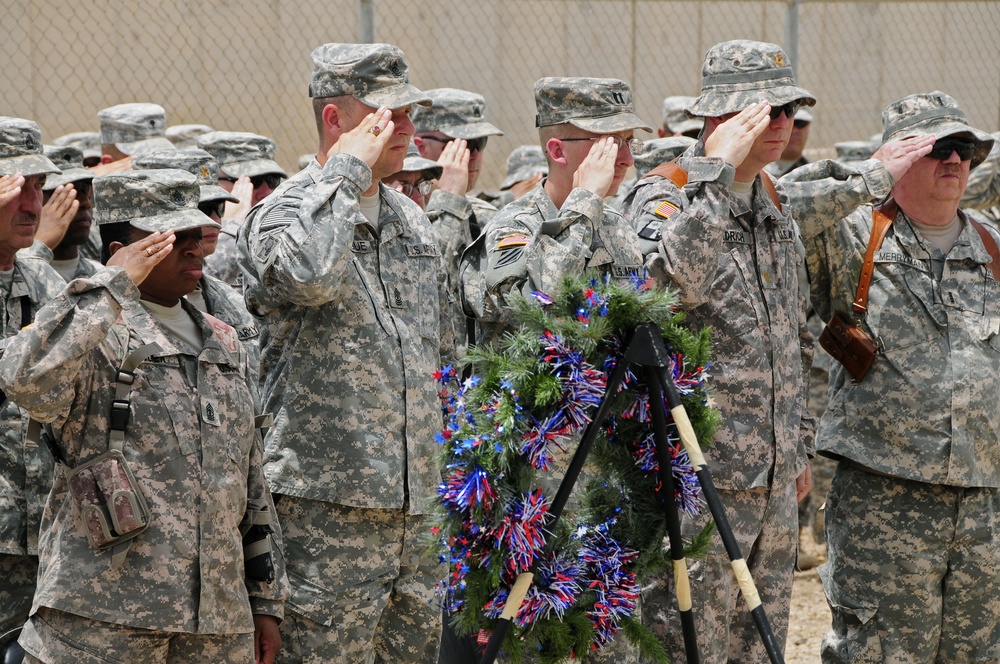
(942, 149)
(213, 207)
(634, 144)
(472, 144)
(271, 179)
(801, 124)
(788, 109)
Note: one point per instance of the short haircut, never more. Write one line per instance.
(121, 231)
(319, 103)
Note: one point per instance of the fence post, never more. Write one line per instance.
(792, 33)
(366, 21)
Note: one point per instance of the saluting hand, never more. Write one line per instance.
(897, 156)
(243, 190)
(10, 188)
(597, 171)
(139, 258)
(455, 161)
(364, 143)
(731, 141)
(56, 215)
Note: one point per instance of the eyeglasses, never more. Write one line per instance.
(801, 124)
(942, 149)
(425, 187)
(213, 207)
(472, 144)
(634, 144)
(272, 180)
(788, 109)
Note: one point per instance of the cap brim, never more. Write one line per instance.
(471, 130)
(28, 164)
(715, 103)
(181, 220)
(610, 124)
(395, 96)
(136, 148)
(213, 192)
(414, 164)
(522, 174)
(984, 141)
(252, 168)
(67, 176)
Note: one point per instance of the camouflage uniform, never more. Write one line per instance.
(25, 470)
(983, 190)
(655, 152)
(190, 442)
(523, 162)
(351, 333)
(912, 518)
(736, 270)
(134, 128)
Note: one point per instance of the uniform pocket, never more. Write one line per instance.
(854, 638)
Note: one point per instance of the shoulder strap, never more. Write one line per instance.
(991, 246)
(882, 218)
(672, 171)
(123, 388)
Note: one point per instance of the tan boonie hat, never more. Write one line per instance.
(849, 151)
(675, 120)
(69, 160)
(134, 128)
(151, 200)
(413, 163)
(89, 143)
(598, 105)
(197, 162)
(659, 151)
(523, 162)
(455, 113)
(241, 153)
(183, 136)
(932, 114)
(374, 74)
(21, 149)
(736, 74)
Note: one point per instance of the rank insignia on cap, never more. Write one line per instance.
(665, 209)
(513, 241)
(779, 59)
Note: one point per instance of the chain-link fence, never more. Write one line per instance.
(244, 65)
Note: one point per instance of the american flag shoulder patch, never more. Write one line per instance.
(665, 209)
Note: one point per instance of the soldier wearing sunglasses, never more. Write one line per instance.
(792, 157)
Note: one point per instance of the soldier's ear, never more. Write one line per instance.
(554, 148)
(114, 247)
(333, 118)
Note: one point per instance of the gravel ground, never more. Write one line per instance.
(810, 615)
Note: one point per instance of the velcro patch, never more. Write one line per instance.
(626, 271)
(784, 235)
(210, 412)
(279, 216)
(735, 237)
(422, 250)
(651, 230)
(513, 241)
(665, 209)
(509, 256)
(362, 247)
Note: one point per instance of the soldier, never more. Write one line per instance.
(26, 283)
(131, 129)
(792, 157)
(248, 171)
(719, 236)
(416, 179)
(185, 136)
(345, 274)
(88, 142)
(181, 459)
(660, 151)
(586, 127)
(676, 121)
(526, 166)
(912, 515)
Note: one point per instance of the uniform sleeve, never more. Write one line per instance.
(299, 245)
(983, 189)
(681, 230)
(807, 346)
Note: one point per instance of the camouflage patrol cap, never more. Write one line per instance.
(598, 105)
(374, 74)
(150, 200)
(413, 163)
(523, 162)
(455, 113)
(849, 151)
(675, 119)
(21, 149)
(69, 160)
(736, 74)
(197, 162)
(241, 153)
(660, 151)
(932, 114)
(134, 128)
(183, 136)
(89, 143)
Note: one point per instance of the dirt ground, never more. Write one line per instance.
(810, 615)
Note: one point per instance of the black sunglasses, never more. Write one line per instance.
(210, 207)
(942, 149)
(271, 179)
(801, 124)
(788, 109)
(472, 143)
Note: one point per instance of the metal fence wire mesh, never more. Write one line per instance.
(244, 65)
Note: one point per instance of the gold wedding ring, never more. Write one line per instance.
(375, 130)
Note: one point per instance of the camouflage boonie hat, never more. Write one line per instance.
(69, 160)
(413, 162)
(134, 128)
(598, 105)
(455, 113)
(932, 114)
(849, 151)
(151, 200)
(676, 120)
(197, 162)
(660, 151)
(89, 142)
(183, 136)
(305, 160)
(523, 162)
(241, 153)
(736, 74)
(374, 74)
(21, 149)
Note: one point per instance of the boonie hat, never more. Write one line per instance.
(413, 163)
(659, 151)
(455, 113)
(69, 160)
(849, 151)
(89, 143)
(374, 74)
(736, 74)
(932, 114)
(197, 162)
(523, 162)
(183, 136)
(674, 117)
(599, 105)
(241, 153)
(21, 149)
(134, 128)
(151, 200)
